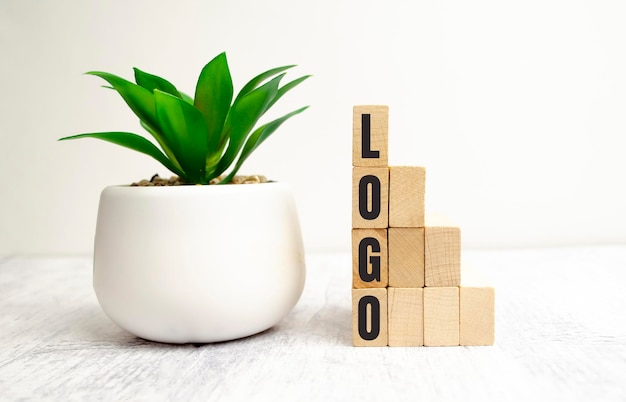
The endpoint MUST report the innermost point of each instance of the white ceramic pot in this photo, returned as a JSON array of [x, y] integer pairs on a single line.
[[198, 263]]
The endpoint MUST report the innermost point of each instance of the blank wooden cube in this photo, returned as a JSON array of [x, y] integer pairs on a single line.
[[370, 197], [370, 133], [477, 310], [406, 257], [406, 196], [441, 316], [406, 316], [369, 258], [369, 317], [442, 254]]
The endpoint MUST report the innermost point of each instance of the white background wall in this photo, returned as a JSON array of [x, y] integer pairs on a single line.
[[517, 109]]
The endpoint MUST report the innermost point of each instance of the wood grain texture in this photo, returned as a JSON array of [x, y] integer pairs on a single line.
[[369, 258], [552, 343], [378, 135], [442, 259], [370, 197], [369, 317], [441, 316], [477, 316], [407, 186], [406, 257], [477, 308], [406, 316]]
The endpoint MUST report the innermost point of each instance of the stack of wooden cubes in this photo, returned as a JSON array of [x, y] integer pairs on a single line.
[[406, 281]]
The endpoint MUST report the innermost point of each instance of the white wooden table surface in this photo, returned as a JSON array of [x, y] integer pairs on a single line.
[[560, 335]]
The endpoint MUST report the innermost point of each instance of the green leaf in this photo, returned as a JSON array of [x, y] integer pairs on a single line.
[[139, 99], [186, 126], [165, 147], [253, 83], [214, 92], [141, 102], [257, 137], [243, 115], [286, 88], [134, 142], [152, 82], [203, 136], [186, 97]]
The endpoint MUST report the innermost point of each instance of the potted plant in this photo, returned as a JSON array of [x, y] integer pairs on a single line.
[[207, 261]]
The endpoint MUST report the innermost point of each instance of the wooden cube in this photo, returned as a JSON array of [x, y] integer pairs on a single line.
[[406, 257], [477, 310], [369, 258], [406, 196], [442, 260], [369, 317], [405, 314], [370, 197], [370, 133], [441, 316]]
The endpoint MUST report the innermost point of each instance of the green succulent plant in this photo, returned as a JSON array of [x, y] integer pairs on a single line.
[[200, 138]]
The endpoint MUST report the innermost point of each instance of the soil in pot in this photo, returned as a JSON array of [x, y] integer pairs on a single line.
[[157, 181]]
